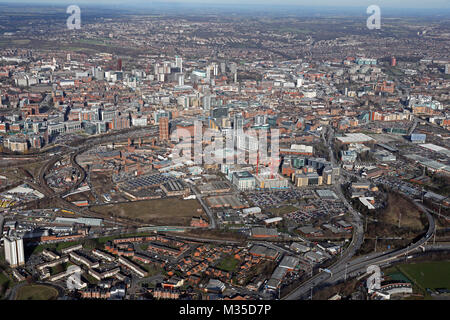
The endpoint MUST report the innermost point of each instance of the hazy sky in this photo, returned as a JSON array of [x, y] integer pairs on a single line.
[[335, 3]]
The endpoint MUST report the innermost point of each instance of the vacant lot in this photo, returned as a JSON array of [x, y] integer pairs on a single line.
[[402, 209], [400, 218], [37, 292], [163, 212]]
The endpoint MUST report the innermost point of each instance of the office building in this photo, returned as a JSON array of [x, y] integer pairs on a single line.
[[164, 128]]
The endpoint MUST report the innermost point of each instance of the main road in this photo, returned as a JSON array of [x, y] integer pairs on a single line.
[[344, 267], [41, 184], [344, 262]]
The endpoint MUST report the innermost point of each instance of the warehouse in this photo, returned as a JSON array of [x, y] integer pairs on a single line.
[[175, 188], [259, 232], [299, 248], [214, 187], [264, 252], [355, 138], [289, 263], [418, 138], [252, 210], [94, 222], [273, 220], [225, 201]]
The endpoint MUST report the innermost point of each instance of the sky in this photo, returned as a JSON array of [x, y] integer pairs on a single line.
[[334, 3]]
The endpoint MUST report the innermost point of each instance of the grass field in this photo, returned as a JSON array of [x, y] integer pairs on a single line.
[[3, 279], [151, 269], [282, 210], [55, 246], [170, 212], [428, 274], [228, 264], [5, 283], [37, 292]]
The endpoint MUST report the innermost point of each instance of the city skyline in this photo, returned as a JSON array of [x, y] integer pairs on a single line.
[[395, 4], [203, 151]]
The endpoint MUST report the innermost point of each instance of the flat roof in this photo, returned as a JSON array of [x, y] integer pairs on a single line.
[[355, 138]]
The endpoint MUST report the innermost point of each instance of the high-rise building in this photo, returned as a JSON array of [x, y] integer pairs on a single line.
[[14, 253], [393, 61], [164, 128], [238, 127], [206, 101], [238, 124], [208, 72], [447, 69], [180, 77], [233, 67], [179, 63]]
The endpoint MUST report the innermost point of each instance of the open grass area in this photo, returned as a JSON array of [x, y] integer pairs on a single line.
[[425, 275], [228, 264], [90, 279], [5, 283], [55, 246], [37, 292], [151, 269], [170, 212], [282, 210], [3, 279]]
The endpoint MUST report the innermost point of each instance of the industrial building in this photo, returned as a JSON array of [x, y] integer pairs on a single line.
[[259, 232], [94, 222], [418, 138]]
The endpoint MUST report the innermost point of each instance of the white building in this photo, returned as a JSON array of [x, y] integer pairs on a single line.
[[14, 253]]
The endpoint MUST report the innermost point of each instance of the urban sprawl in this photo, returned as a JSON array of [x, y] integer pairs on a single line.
[[329, 155]]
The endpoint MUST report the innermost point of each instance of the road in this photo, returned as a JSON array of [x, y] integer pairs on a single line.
[[344, 267], [41, 183], [211, 215]]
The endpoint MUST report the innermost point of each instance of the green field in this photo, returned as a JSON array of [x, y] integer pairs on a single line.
[[428, 274], [163, 212], [53, 246], [228, 264], [37, 292], [281, 211], [3, 279], [151, 269]]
